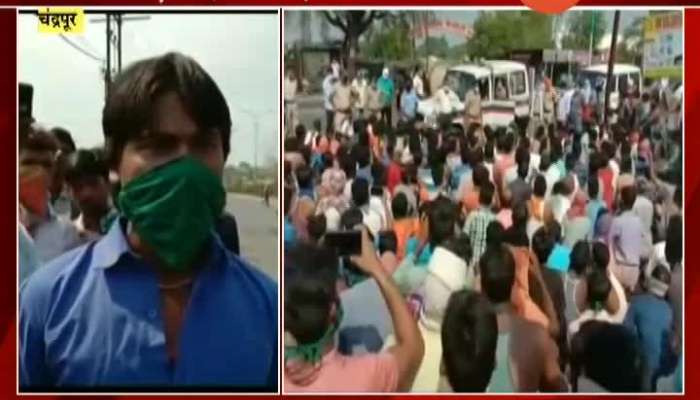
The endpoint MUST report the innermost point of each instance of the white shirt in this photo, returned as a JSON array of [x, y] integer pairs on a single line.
[[290, 89], [418, 85], [54, 236], [564, 106], [644, 209], [588, 315]]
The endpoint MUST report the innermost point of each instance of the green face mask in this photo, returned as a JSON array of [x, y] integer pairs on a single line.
[[173, 208], [313, 352]]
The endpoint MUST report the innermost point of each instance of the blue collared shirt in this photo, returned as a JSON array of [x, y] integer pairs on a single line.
[[92, 317]]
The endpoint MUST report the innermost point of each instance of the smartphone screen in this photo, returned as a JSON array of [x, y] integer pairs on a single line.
[[346, 243]]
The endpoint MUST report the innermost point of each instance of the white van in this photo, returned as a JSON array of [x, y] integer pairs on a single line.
[[487, 75], [623, 76]]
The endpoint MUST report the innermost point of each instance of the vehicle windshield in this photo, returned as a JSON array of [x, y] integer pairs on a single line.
[[459, 82], [596, 79]]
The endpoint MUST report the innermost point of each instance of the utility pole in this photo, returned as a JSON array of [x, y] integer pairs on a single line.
[[611, 63], [116, 41]]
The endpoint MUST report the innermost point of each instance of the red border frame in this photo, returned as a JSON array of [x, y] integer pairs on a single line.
[[8, 160]]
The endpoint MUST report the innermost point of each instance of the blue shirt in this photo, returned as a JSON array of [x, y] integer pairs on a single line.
[[92, 317], [409, 104], [650, 318]]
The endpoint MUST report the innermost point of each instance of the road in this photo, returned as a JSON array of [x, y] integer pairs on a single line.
[[257, 230]]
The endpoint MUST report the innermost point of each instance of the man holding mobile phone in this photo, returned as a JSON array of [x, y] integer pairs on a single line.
[[311, 323]]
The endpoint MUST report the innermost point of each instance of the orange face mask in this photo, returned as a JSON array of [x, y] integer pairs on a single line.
[[34, 190]]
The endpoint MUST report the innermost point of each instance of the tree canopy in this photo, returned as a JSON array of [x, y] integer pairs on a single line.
[[580, 26], [497, 33]]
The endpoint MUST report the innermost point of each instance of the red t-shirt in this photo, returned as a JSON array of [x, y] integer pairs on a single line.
[[606, 176], [393, 176]]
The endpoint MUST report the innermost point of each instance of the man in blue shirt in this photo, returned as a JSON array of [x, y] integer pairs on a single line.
[[650, 317], [409, 103], [158, 301]]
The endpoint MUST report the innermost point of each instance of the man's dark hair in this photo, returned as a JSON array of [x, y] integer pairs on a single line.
[[494, 234], [399, 206], [469, 340], [600, 255], [497, 268], [555, 151], [387, 242], [593, 188], [540, 186], [362, 155], [542, 244], [128, 110], [64, 138], [554, 229], [347, 164], [610, 355], [316, 226], [523, 170], [674, 240], [598, 288], [581, 257], [437, 171], [480, 175], [378, 174], [351, 218], [628, 195], [545, 162], [522, 155], [442, 217], [459, 245], [520, 214], [86, 163], [661, 274], [304, 176], [486, 192], [360, 192], [488, 151], [309, 291], [39, 140]]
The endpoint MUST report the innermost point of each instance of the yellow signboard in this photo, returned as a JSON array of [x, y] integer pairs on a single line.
[[61, 20], [663, 45]]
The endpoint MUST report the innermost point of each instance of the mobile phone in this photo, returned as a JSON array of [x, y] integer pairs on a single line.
[[345, 243]]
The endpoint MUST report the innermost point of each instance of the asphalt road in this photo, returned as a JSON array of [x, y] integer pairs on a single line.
[[257, 230]]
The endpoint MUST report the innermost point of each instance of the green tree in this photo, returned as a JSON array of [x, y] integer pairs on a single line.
[[353, 24], [498, 32], [632, 42], [581, 25], [433, 46], [388, 41]]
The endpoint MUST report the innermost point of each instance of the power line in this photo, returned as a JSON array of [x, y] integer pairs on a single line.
[[80, 49]]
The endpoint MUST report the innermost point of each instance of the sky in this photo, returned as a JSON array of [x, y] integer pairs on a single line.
[[239, 51], [292, 32]]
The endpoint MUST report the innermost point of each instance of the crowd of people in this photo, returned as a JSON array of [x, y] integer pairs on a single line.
[[129, 268], [493, 259]]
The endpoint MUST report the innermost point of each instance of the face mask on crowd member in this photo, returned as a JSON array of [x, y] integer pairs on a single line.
[[37, 158]]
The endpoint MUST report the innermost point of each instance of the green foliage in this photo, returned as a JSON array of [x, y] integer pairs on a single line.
[[388, 42], [434, 46], [497, 33], [581, 24]]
